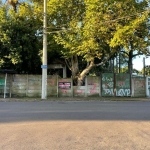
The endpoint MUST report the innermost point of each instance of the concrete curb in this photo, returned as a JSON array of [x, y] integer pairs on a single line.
[[26, 99]]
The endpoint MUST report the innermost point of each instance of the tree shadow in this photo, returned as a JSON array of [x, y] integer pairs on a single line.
[[90, 111]]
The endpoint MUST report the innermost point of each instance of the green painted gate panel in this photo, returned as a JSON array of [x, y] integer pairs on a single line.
[[107, 84], [123, 84], [2, 82]]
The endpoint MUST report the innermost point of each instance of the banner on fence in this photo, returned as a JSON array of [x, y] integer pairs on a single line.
[[65, 87]]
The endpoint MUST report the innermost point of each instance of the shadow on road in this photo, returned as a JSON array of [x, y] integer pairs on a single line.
[[93, 110]]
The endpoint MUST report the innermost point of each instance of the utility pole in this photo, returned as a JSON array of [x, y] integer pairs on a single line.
[[144, 67], [44, 66]]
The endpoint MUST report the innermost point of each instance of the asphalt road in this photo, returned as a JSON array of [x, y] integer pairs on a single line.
[[78, 125]]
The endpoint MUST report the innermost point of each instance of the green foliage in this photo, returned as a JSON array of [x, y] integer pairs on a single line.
[[112, 23], [81, 31], [96, 30], [147, 70], [19, 43]]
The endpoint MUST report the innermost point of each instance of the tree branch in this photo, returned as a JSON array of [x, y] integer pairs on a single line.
[[68, 64], [104, 61]]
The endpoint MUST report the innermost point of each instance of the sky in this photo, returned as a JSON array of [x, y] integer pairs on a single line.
[[138, 62]]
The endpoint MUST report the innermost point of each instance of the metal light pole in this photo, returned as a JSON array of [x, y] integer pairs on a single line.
[[44, 66]]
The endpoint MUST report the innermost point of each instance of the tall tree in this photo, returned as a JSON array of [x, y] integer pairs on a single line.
[[95, 29], [20, 41]]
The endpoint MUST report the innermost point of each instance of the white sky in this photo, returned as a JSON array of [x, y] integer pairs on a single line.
[[138, 62]]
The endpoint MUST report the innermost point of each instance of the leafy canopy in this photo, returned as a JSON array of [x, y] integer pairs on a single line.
[[94, 29]]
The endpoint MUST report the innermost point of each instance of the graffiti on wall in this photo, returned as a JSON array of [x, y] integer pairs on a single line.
[[52, 82], [93, 88], [123, 85], [123, 92], [64, 91], [139, 86], [107, 84], [79, 91], [93, 85]]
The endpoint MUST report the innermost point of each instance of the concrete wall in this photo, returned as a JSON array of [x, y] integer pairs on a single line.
[[93, 86], [52, 85], [30, 85], [33, 86], [79, 91], [138, 87], [108, 84], [26, 85], [19, 85]]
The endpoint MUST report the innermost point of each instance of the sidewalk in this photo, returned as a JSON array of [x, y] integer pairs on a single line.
[[27, 99]]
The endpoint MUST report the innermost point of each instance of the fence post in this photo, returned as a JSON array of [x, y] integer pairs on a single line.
[[27, 85], [72, 87], [5, 85], [86, 86], [57, 85]]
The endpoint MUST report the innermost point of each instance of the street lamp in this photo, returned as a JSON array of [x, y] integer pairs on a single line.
[[44, 65]]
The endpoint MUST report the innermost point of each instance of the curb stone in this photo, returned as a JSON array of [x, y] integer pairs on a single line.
[[26, 99]]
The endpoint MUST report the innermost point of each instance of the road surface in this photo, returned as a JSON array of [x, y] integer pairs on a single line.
[[76, 125]]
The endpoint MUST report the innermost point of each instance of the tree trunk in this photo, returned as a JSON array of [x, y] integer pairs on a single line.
[[74, 65], [82, 75], [74, 68], [13, 3], [130, 62]]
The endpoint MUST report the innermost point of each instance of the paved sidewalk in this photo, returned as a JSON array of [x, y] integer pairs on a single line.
[[76, 125]]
